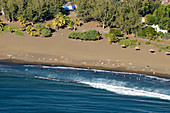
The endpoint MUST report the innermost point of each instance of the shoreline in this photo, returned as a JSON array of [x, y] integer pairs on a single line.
[[118, 69], [60, 50]]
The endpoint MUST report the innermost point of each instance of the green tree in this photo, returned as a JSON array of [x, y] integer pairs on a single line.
[[77, 21], [111, 38], [55, 22], [34, 10], [150, 19], [162, 15], [148, 32]]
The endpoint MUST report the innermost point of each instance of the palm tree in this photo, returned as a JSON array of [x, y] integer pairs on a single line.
[[98, 36], [77, 22], [70, 25], [55, 22], [38, 32], [33, 33], [48, 26], [29, 29], [21, 28], [60, 20], [59, 15], [22, 21], [75, 27], [1, 25], [10, 29], [1, 28], [67, 19]]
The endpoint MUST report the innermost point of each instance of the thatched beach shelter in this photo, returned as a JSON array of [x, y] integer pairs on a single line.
[[137, 48], [152, 51], [167, 53], [123, 46]]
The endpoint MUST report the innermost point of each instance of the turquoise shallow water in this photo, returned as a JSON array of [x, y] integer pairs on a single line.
[[44, 89]]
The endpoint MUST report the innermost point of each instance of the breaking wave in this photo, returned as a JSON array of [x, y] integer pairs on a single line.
[[113, 85]]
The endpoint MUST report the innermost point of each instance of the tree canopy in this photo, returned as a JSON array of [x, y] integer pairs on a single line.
[[162, 15], [122, 14], [32, 10]]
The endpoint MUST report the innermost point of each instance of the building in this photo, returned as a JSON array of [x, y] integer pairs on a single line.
[[165, 1]]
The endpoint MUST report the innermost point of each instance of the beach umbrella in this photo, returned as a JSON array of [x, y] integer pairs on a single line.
[[123, 46], [152, 51], [137, 48]]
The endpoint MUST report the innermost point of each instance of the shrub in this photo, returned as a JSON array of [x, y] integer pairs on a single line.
[[129, 42], [46, 32], [165, 36], [115, 32], [90, 35], [147, 42], [12, 28], [40, 26], [5, 28], [157, 40], [87, 35], [147, 32], [109, 43], [74, 35], [19, 33], [111, 37], [162, 47]]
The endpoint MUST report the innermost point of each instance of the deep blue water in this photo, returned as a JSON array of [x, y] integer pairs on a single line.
[[46, 89]]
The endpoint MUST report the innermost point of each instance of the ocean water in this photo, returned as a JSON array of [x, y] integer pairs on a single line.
[[47, 89]]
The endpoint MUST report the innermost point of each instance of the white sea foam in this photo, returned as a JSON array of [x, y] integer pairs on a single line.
[[40, 77], [31, 65], [83, 69], [127, 91], [158, 78], [60, 67], [118, 87]]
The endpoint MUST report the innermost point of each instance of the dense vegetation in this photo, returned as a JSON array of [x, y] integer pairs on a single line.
[[161, 47], [165, 36], [160, 16], [87, 35], [129, 42], [113, 35], [33, 10], [124, 15], [147, 32], [12, 29]]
